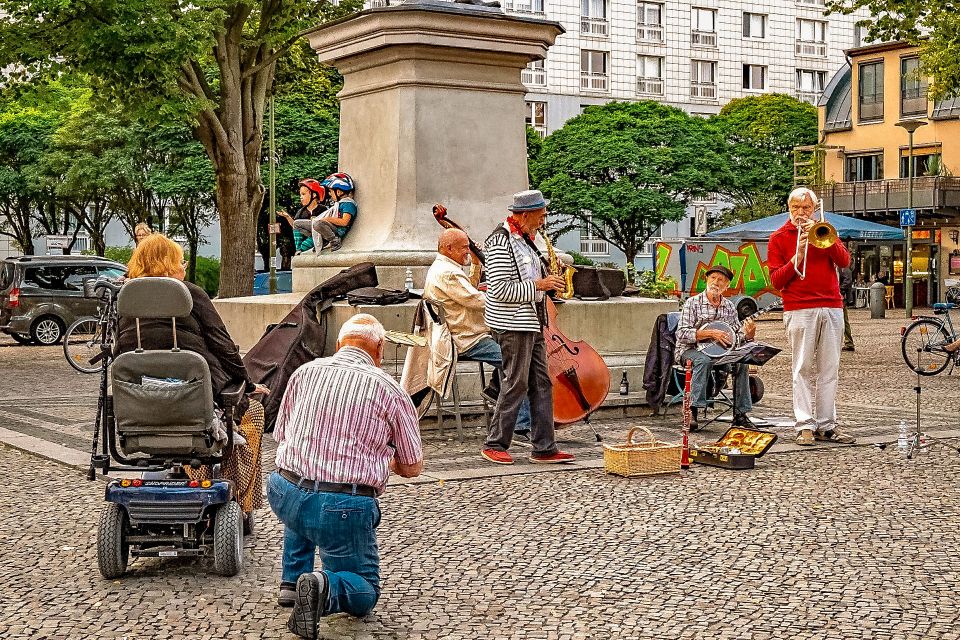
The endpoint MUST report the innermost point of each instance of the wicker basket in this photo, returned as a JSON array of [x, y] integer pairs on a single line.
[[635, 459]]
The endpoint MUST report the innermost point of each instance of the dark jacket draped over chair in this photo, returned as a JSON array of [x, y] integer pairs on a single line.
[[656, 369]]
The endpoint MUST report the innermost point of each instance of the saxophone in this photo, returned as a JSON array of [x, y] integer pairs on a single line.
[[557, 268]]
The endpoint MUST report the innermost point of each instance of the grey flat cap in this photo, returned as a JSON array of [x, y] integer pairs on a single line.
[[528, 201]]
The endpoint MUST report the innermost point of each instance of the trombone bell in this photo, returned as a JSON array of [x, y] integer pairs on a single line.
[[822, 235]]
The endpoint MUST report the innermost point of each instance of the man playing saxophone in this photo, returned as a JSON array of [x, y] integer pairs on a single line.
[[514, 310]]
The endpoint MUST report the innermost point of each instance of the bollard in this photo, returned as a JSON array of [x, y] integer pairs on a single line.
[[878, 300]]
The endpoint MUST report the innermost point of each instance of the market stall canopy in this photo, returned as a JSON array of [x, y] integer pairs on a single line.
[[847, 228]]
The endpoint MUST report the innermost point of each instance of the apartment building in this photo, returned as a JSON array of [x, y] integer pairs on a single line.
[[865, 159]]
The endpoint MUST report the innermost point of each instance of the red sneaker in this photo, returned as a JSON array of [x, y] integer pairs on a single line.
[[500, 457], [553, 458]]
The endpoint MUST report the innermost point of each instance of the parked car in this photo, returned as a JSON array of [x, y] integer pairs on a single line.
[[41, 295], [261, 283]]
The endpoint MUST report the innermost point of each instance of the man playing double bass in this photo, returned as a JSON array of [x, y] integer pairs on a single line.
[[515, 290], [705, 307]]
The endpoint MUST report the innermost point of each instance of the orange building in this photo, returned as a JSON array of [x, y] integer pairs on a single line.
[[860, 168]]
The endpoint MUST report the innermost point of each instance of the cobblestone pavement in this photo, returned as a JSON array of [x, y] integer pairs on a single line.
[[833, 542]]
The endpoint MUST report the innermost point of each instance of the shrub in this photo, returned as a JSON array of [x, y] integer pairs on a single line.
[[579, 258], [651, 287]]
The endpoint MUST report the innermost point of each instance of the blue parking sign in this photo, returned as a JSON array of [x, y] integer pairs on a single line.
[[908, 217]]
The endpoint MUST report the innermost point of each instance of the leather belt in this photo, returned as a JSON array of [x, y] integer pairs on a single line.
[[329, 487]]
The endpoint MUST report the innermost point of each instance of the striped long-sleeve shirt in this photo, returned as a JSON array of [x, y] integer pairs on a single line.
[[342, 419], [512, 296]]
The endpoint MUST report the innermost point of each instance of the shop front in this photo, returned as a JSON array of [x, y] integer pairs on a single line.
[[885, 260]]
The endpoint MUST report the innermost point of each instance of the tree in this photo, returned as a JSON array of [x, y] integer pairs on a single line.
[[760, 134], [626, 168], [933, 25], [211, 59]]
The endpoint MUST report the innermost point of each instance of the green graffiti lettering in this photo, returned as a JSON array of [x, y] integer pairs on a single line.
[[755, 275]]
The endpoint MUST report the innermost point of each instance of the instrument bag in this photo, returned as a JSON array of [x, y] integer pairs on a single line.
[[598, 283], [300, 337], [376, 295]]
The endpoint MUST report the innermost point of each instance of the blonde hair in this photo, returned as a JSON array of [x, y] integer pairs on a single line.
[[141, 227], [156, 255]]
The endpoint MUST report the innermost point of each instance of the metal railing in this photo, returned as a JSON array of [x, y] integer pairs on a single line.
[[598, 27], [707, 90], [815, 3], [811, 49], [649, 33], [594, 247], [594, 81], [808, 96], [650, 85], [703, 38], [534, 77], [889, 195], [528, 7]]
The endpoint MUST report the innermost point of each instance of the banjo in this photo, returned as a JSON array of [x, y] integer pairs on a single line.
[[714, 348]]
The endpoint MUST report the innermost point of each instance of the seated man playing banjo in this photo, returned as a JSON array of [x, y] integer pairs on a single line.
[[699, 310]]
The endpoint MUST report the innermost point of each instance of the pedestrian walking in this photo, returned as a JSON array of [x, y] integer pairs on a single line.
[[846, 289]]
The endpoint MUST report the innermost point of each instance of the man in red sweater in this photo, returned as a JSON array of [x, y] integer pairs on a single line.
[[813, 317]]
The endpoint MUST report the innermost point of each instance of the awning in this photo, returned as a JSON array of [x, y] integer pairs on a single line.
[[847, 228]]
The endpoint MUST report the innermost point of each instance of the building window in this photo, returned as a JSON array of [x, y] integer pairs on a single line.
[[703, 79], [754, 77], [913, 88], [815, 3], [859, 35], [754, 25], [871, 91], [535, 74], [591, 244], [811, 38], [649, 22], [650, 75], [593, 70], [524, 6], [924, 164], [593, 18], [865, 167], [704, 25], [537, 117], [810, 84]]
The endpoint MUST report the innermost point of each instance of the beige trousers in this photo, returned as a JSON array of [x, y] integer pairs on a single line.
[[815, 337]]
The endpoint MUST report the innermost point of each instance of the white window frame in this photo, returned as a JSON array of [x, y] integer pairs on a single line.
[[703, 31], [811, 45], [810, 84], [590, 243], [748, 77], [592, 79], [749, 20], [704, 89], [538, 121], [647, 30], [531, 7], [594, 18], [650, 75], [535, 75]]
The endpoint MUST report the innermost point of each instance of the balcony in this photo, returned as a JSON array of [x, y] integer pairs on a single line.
[[649, 33], [811, 97], [594, 27], [809, 49], [703, 90], [650, 86], [703, 39], [886, 197], [593, 81], [594, 247], [534, 77]]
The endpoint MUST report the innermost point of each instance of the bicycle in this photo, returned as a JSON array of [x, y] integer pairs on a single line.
[[923, 342], [88, 341]]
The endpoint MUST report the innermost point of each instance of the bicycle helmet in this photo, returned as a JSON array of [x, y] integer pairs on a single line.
[[318, 189], [340, 181]]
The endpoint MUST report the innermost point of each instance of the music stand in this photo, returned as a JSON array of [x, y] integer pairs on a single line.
[[915, 445]]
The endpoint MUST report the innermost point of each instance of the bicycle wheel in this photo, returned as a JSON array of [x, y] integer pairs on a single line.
[[922, 346], [81, 344]]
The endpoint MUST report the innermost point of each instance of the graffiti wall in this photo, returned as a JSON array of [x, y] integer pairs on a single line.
[[747, 261]]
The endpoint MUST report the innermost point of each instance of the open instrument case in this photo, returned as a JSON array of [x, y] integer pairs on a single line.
[[751, 443]]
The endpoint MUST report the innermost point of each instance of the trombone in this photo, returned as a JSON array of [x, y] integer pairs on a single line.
[[821, 235]]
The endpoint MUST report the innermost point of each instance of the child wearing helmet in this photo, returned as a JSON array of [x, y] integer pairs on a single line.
[[312, 196], [334, 224]]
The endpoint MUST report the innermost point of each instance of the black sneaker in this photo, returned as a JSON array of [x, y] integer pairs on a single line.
[[694, 423], [312, 591], [742, 420], [523, 437], [288, 594]]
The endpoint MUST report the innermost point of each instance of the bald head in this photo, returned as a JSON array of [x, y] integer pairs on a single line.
[[455, 245], [365, 332]]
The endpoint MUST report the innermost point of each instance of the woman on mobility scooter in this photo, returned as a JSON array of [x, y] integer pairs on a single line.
[[203, 333]]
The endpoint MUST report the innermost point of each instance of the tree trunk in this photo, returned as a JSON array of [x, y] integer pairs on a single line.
[[238, 240], [192, 263]]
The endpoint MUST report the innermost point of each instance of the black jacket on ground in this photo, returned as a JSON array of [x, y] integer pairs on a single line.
[[202, 332]]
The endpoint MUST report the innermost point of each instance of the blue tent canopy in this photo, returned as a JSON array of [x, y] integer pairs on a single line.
[[847, 228]]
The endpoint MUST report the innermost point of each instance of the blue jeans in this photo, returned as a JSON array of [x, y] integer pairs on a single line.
[[488, 351], [343, 527], [700, 380]]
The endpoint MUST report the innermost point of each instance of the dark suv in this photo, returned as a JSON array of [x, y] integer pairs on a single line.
[[41, 295]]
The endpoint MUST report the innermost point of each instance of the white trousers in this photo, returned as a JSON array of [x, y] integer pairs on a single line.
[[815, 336]]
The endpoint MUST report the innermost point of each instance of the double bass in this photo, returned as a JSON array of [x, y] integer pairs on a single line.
[[580, 377]]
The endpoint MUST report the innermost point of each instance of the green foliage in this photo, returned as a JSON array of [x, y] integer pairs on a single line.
[[118, 254], [760, 133], [208, 269], [933, 25], [651, 287], [626, 168], [579, 258]]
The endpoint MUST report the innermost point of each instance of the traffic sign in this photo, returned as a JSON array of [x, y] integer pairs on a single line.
[[908, 217]]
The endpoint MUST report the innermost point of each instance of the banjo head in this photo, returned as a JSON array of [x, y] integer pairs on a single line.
[[713, 348]]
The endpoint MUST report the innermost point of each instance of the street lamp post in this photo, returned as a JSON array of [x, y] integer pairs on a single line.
[[910, 126], [272, 204]]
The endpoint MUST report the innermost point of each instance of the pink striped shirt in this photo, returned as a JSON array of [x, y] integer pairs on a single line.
[[342, 419]]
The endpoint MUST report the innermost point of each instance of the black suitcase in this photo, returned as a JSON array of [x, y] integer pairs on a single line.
[[300, 337], [598, 283]]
